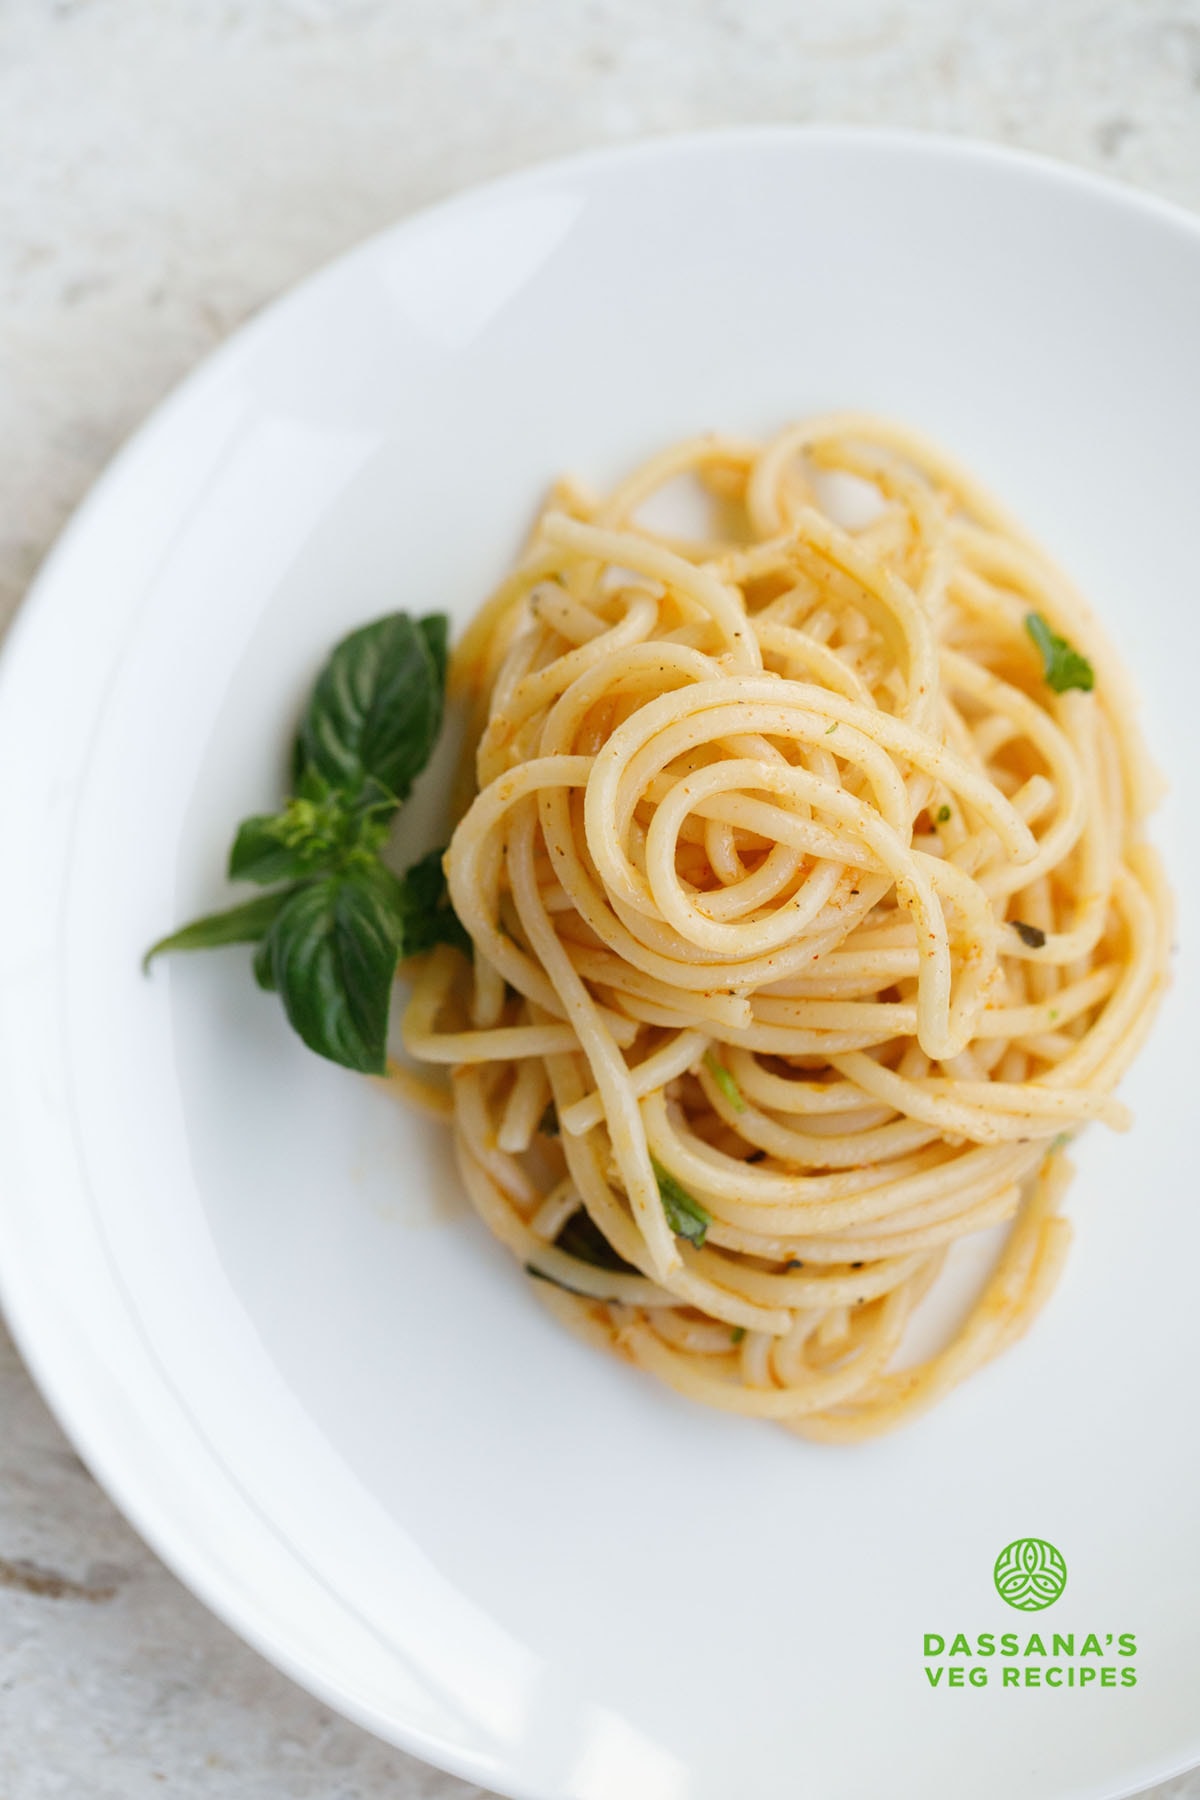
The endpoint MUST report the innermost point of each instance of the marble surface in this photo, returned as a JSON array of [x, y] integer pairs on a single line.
[[169, 166]]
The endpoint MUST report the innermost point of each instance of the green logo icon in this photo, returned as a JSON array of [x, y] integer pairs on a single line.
[[1030, 1574]]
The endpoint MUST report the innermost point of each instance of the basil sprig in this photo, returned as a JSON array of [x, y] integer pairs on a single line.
[[329, 938]]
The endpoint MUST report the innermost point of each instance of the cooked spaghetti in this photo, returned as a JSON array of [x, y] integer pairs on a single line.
[[809, 921]]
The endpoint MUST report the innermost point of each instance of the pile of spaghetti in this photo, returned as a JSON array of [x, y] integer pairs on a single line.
[[809, 920]]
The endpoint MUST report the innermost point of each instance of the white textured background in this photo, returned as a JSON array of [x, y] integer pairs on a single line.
[[166, 166]]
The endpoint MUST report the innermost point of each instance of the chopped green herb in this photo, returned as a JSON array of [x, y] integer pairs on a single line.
[[686, 1217], [1060, 1141], [582, 1238], [832, 729], [1032, 936], [548, 1123], [737, 1334], [942, 814], [724, 1080], [1053, 1015], [541, 1275], [1062, 664]]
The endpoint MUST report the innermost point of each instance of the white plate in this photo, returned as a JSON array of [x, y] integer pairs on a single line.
[[246, 1280]]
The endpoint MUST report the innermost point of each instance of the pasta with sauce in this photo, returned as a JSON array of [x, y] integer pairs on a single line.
[[810, 916]]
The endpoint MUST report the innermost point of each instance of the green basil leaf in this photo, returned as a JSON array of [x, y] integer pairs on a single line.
[[435, 629], [334, 948], [685, 1215], [585, 1241], [264, 965], [427, 917], [1062, 664], [245, 924], [376, 710], [259, 855]]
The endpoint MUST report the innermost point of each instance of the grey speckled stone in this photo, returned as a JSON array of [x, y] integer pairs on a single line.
[[167, 169]]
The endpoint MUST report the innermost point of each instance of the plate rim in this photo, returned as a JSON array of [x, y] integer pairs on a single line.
[[33, 1325]]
